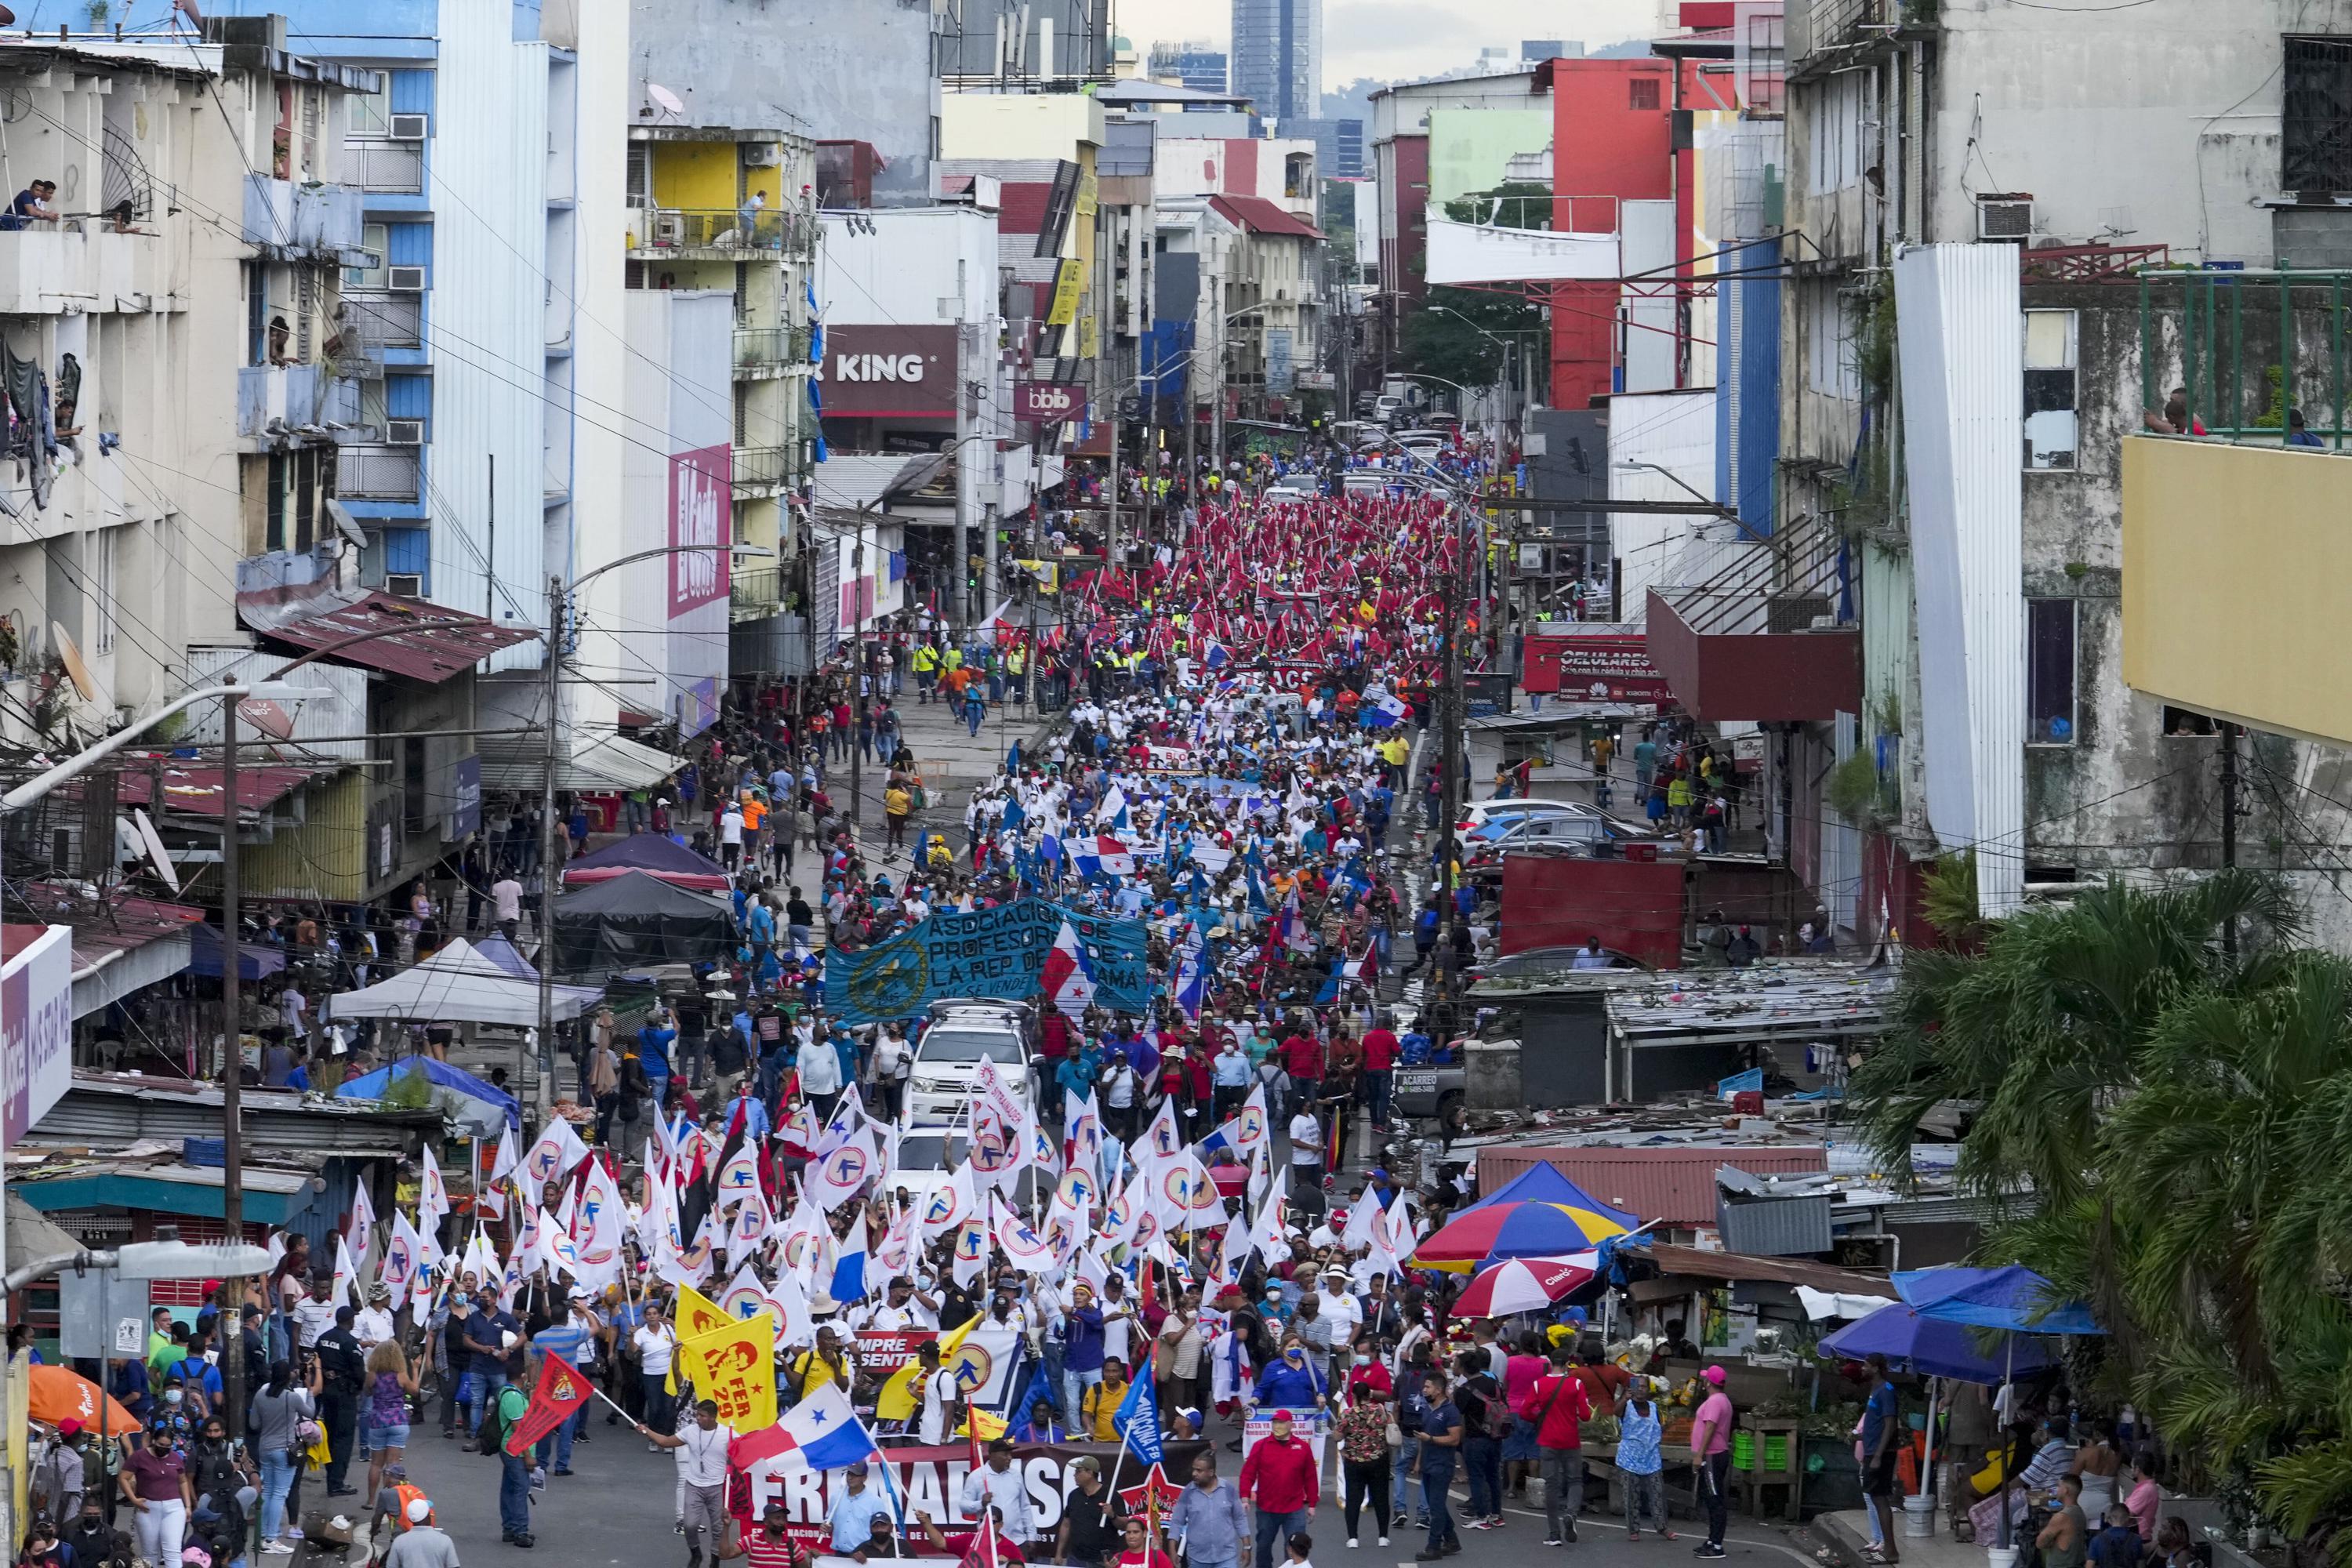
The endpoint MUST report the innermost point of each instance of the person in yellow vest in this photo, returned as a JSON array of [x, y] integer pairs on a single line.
[[926, 661], [1016, 672]]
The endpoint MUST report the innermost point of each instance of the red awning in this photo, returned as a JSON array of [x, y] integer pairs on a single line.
[[197, 792], [1263, 217], [443, 643]]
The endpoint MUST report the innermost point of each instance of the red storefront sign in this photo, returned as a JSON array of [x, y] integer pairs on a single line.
[[1048, 402], [1594, 661]]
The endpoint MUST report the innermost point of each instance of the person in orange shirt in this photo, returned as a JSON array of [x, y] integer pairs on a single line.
[[755, 812]]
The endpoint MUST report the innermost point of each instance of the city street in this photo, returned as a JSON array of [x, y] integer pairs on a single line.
[[617, 1508]]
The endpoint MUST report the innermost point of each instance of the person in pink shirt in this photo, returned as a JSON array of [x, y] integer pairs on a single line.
[[1521, 1460], [2146, 1497], [1711, 1452]]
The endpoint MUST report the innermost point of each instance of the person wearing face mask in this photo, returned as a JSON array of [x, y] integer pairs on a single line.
[[216, 1476], [172, 1420], [155, 1483], [1292, 1381]]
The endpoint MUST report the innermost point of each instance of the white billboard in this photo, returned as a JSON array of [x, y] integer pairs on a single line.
[[1462, 253], [35, 1031]]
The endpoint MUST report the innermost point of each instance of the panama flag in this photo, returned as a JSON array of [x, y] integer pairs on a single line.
[[1293, 930], [1216, 658], [1385, 714], [821, 1433], [1103, 856], [1068, 979]]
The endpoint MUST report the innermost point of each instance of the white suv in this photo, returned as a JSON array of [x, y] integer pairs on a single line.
[[956, 1035]]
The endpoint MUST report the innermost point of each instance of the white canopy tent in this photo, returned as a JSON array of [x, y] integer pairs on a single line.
[[460, 985]]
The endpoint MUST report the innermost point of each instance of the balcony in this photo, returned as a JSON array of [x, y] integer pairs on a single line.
[[762, 472], [385, 320], [755, 592], [79, 266], [691, 234], [380, 473], [2235, 570], [389, 168], [1762, 639], [304, 222], [276, 401], [762, 352]]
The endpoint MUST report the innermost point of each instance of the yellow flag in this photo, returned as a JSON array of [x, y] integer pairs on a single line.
[[991, 1425], [735, 1365], [697, 1314], [895, 1400]]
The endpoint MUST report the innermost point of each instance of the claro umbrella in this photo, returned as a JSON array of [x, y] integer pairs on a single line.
[[59, 1393], [1525, 1285]]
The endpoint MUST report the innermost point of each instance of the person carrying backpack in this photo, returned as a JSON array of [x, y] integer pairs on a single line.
[[514, 1469]]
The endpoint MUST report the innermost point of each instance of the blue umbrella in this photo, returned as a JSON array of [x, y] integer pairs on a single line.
[[2012, 1298], [1932, 1346]]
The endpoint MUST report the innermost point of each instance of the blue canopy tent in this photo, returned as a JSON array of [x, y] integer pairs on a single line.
[[2011, 1297], [507, 956], [479, 1105], [254, 960], [1544, 1184], [1932, 1347]]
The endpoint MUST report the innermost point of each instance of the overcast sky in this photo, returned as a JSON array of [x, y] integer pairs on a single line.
[[1400, 39]]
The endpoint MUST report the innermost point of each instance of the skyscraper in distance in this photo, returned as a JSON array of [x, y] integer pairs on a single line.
[[1277, 59]]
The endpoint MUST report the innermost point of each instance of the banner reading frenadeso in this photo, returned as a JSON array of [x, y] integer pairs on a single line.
[[931, 1481], [998, 953]]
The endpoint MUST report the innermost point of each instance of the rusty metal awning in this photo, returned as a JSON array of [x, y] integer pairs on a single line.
[[440, 642]]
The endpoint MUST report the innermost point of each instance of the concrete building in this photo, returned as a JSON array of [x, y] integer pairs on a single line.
[[127, 345], [850, 73], [1400, 153], [2011, 692], [1277, 59], [1281, 170]]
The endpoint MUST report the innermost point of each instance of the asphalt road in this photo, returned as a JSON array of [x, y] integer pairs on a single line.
[[617, 1509]]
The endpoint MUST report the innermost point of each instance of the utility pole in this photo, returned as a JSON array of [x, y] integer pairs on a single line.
[[2230, 824], [231, 1314], [857, 667], [549, 877], [1110, 493], [1449, 714]]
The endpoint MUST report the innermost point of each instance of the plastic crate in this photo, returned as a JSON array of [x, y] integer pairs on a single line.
[[1775, 1451], [1743, 1451]]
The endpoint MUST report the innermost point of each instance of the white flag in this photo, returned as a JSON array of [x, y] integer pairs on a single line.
[[404, 1256], [347, 1273], [558, 1149], [831, 1179], [431, 1196], [363, 1230]]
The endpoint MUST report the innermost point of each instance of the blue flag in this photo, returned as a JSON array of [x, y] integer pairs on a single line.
[[1137, 1420]]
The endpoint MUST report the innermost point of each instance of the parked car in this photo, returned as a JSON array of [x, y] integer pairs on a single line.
[[1388, 410], [1291, 488], [1479, 813], [1539, 962], [956, 1035], [1572, 831]]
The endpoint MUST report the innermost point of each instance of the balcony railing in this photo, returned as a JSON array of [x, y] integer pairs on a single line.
[[2254, 353], [294, 395], [394, 167], [691, 229], [765, 348], [290, 219], [756, 589], [385, 321], [762, 469], [378, 473]]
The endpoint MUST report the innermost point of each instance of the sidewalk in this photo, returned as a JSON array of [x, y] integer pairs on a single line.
[[1847, 1530]]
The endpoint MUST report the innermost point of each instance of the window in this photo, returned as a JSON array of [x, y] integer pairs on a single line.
[[2050, 672], [273, 535], [376, 239], [257, 313], [2315, 117], [371, 113], [2049, 389], [306, 498], [103, 590], [1642, 93]]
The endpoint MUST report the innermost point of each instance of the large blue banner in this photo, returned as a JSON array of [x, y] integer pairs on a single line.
[[998, 953]]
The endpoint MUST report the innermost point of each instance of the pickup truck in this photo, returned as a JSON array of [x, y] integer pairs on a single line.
[[1427, 1090]]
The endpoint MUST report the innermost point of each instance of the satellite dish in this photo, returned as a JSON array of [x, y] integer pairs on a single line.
[[155, 844], [76, 670], [664, 99], [267, 718]]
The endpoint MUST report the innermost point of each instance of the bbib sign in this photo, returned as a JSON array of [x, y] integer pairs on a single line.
[[1048, 402]]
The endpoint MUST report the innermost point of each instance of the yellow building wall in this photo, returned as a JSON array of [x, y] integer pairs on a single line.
[[702, 176], [325, 857], [2237, 582]]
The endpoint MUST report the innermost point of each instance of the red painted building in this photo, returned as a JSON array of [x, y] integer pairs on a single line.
[[1612, 142]]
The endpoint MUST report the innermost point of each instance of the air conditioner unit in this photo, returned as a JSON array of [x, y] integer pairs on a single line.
[[404, 585], [405, 279], [2005, 216], [762, 154], [410, 127], [403, 432], [669, 228]]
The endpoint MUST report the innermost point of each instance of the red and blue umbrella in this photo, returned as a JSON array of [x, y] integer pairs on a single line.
[[1519, 1230]]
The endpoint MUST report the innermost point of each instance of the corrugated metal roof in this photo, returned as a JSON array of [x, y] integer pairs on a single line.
[[197, 792], [114, 1111], [1669, 1184], [606, 763], [1263, 216], [441, 642], [1705, 1264]]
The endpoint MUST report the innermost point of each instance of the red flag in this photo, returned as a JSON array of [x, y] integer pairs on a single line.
[[561, 1391]]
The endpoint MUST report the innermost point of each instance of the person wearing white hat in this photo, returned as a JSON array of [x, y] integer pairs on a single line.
[[422, 1544]]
